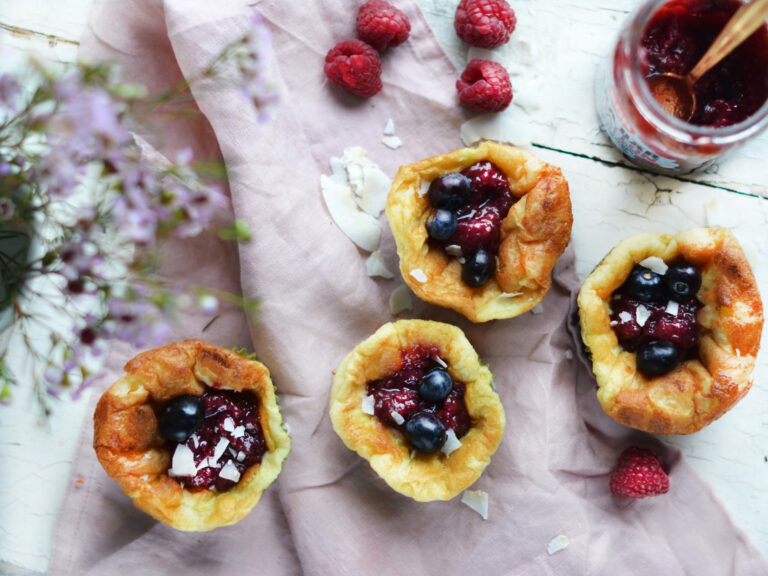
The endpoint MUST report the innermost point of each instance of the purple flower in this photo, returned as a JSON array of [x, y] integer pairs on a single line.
[[7, 209], [139, 319], [254, 64]]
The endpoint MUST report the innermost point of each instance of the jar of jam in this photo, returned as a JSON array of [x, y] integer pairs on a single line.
[[671, 36]]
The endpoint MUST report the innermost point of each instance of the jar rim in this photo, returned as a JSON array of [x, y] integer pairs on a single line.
[[666, 123]]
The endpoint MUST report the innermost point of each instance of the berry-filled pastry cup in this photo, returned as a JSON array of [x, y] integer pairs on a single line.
[[415, 401], [673, 325], [192, 433], [479, 230]]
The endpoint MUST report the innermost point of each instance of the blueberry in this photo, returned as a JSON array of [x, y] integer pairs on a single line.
[[181, 417], [644, 285], [426, 432], [441, 224], [435, 385], [450, 191], [478, 268], [657, 357], [683, 280]]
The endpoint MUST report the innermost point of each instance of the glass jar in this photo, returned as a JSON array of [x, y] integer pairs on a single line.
[[647, 135]]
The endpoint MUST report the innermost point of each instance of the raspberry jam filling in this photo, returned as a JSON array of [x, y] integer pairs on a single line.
[[421, 399], [654, 315], [468, 209], [226, 443], [680, 33]]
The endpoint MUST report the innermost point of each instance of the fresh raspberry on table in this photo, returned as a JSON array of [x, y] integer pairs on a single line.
[[382, 25], [354, 66], [639, 474], [484, 85], [484, 23]]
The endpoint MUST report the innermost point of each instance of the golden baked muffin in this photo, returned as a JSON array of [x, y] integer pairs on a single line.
[[192, 433], [479, 230], [415, 401], [673, 325]]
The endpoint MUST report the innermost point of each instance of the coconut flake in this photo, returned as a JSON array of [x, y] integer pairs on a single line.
[[440, 361], [183, 462], [376, 266], [672, 308], [454, 250], [655, 264], [393, 142], [230, 472], [389, 129], [373, 195], [557, 544], [625, 316], [400, 300], [424, 188], [238, 432], [452, 443], [398, 419], [219, 450], [538, 309], [613, 323], [363, 229], [642, 314], [287, 428], [418, 275], [240, 456], [228, 425], [368, 402], [195, 440], [477, 500]]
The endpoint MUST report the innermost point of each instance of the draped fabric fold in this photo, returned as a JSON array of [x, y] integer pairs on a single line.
[[328, 513]]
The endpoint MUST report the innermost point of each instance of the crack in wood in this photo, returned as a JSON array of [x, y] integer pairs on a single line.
[[646, 173]]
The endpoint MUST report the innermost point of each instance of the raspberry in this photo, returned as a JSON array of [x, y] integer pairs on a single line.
[[453, 413], [484, 85], [354, 66], [382, 25], [638, 474], [404, 401], [484, 23]]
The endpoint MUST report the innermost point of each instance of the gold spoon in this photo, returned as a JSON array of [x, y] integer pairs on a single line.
[[675, 93]]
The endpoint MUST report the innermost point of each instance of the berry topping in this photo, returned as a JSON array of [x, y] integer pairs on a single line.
[[638, 474], [441, 224], [657, 357], [404, 402], [420, 386], [487, 181], [477, 231], [227, 442], [680, 328], [435, 385], [484, 23], [453, 413], [426, 432], [382, 25], [354, 66], [450, 191], [181, 417], [484, 85], [644, 285], [683, 280], [478, 268]]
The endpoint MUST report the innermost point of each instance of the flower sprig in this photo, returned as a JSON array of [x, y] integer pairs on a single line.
[[85, 207]]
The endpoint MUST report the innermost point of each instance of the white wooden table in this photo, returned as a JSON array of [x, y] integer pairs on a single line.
[[552, 59]]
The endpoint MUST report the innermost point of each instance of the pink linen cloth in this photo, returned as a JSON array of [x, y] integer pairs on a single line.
[[328, 513]]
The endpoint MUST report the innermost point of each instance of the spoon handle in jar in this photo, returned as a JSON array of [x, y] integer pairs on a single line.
[[742, 24]]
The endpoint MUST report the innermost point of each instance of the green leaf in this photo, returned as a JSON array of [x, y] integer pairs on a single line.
[[238, 231]]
